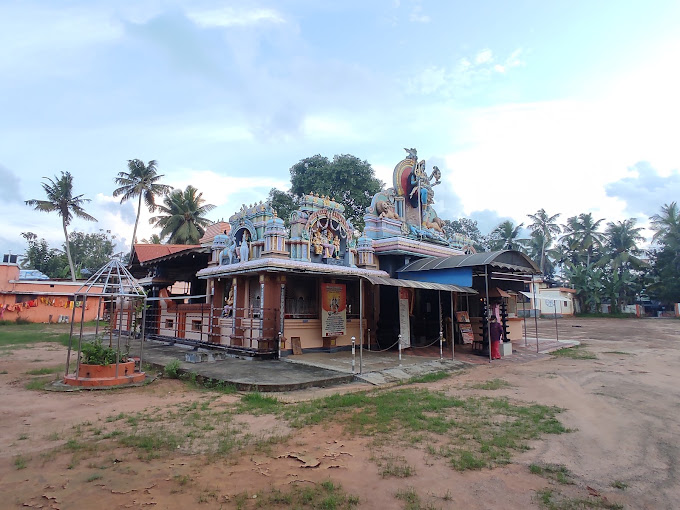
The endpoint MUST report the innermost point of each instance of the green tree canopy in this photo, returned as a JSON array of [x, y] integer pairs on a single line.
[[60, 199], [284, 203], [346, 179], [543, 229], [183, 217], [506, 237], [41, 257], [468, 228], [140, 181]]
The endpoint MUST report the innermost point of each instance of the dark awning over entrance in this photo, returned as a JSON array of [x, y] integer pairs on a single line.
[[414, 284]]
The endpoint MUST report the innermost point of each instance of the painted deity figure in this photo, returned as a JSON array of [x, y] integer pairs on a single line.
[[229, 304], [317, 242], [244, 250], [328, 244], [229, 252]]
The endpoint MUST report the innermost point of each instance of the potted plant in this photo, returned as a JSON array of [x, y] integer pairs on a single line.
[[98, 360]]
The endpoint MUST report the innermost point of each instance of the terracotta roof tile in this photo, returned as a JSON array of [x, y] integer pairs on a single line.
[[146, 252], [214, 229]]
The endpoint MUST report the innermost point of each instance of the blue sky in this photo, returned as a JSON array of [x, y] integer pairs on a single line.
[[570, 106]]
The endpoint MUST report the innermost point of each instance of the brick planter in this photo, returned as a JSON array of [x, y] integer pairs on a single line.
[[105, 375]]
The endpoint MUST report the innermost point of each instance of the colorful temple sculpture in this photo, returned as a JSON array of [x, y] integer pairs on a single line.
[[272, 287]]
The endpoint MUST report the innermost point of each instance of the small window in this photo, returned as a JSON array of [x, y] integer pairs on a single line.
[[169, 324], [566, 303], [196, 325]]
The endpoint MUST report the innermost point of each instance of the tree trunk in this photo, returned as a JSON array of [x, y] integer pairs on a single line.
[[134, 232], [543, 257], [68, 252]]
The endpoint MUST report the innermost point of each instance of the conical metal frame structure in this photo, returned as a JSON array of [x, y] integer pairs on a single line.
[[114, 283]]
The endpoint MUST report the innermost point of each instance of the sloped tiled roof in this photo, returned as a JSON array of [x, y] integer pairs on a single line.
[[146, 252], [216, 228]]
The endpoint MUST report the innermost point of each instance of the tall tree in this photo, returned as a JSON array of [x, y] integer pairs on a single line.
[[582, 235], [284, 203], [468, 228], [40, 256], [506, 237], [666, 225], [140, 181], [183, 217], [346, 179], [544, 225], [60, 199], [665, 285], [622, 249]]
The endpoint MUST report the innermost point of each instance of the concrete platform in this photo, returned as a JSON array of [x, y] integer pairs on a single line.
[[294, 372]]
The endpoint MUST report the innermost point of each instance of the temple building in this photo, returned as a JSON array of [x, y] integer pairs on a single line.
[[320, 282]]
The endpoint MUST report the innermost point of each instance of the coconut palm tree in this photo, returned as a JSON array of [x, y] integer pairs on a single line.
[[183, 216], [622, 239], [140, 181], [546, 226], [666, 225], [505, 236], [582, 235], [60, 199]]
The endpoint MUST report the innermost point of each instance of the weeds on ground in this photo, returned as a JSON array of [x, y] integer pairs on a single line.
[[20, 462], [171, 370], [620, 352], [477, 432], [46, 370], [326, 495], [427, 378], [256, 403], [391, 465], [576, 352], [37, 383], [555, 472], [411, 500], [554, 500], [493, 384], [618, 484]]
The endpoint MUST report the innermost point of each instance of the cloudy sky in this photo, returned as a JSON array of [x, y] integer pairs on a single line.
[[572, 106]]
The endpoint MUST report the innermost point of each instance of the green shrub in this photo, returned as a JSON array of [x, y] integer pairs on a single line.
[[96, 353], [172, 369]]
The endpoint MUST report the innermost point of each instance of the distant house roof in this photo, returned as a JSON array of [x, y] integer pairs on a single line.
[[219, 227], [32, 274]]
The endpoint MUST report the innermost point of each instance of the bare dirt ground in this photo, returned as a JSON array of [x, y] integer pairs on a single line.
[[621, 407]]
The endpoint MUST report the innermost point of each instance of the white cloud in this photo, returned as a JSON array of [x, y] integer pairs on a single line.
[[417, 15], [465, 74], [484, 56], [230, 16]]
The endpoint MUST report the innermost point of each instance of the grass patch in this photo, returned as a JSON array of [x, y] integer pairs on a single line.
[[93, 477], [257, 403], [477, 432], [618, 484], [46, 370], [576, 352], [20, 462], [326, 496], [432, 377], [21, 334], [412, 500], [554, 500], [620, 352], [395, 466], [151, 443], [555, 472], [37, 383], [493, 384]]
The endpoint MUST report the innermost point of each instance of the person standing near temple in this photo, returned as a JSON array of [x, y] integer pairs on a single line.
[[496, 331]]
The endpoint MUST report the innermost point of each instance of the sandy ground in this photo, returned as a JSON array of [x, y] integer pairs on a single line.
[[622, 408]]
